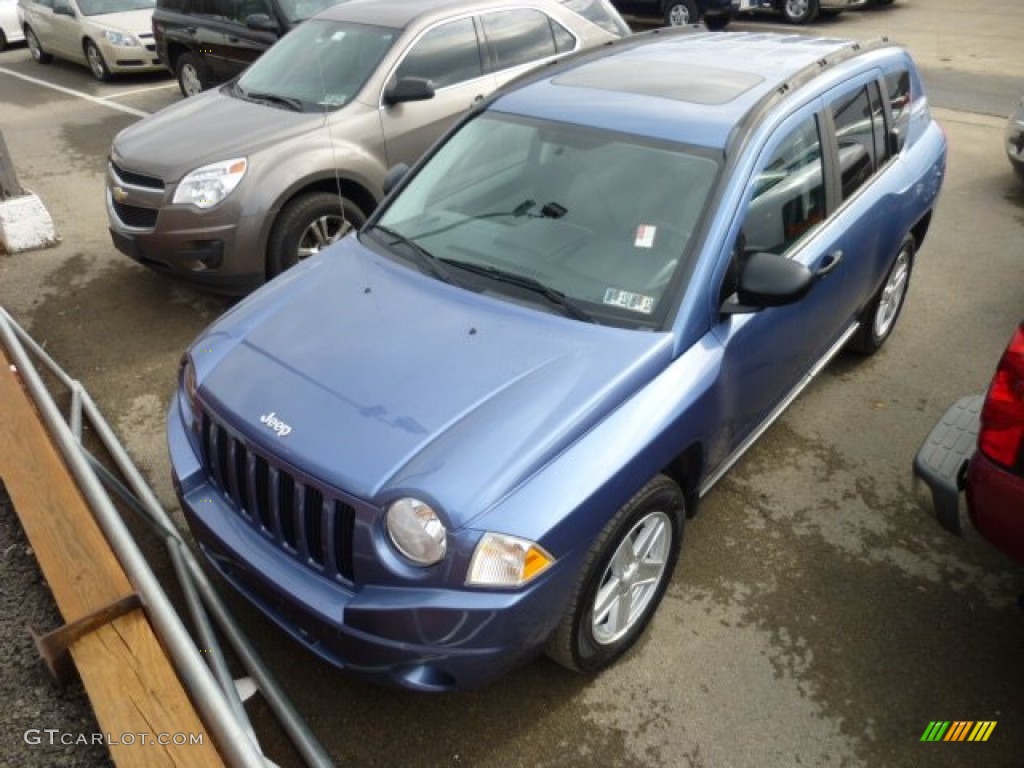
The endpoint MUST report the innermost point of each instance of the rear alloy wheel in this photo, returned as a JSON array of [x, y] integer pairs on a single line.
[[680, 13], [307, 225], [192, 78], [799, 11], [97, 64], [881, 314], [625, 575], [35, 48]]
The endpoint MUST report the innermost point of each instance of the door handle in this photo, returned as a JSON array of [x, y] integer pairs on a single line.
[[828, 263]]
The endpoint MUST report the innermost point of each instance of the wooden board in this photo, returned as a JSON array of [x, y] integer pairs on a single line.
[[128, 676]]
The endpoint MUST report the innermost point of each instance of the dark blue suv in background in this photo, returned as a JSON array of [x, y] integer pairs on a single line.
[[680, 13], [473, 431]]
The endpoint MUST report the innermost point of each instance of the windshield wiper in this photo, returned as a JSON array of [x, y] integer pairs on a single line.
[[559, 299], [425, 257], [295, 105]]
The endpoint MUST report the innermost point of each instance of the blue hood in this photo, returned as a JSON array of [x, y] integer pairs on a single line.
[[390, 382]]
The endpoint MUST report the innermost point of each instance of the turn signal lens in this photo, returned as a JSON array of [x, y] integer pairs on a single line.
[[506, 561]]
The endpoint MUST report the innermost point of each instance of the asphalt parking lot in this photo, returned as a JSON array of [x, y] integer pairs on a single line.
[[819, 616]]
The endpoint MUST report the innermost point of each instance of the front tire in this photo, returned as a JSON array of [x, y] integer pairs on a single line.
[[680, 13], [97, 64], [799, 11], [192, 76], [883, 311], [623, 579], [35, 48], [307, 225]]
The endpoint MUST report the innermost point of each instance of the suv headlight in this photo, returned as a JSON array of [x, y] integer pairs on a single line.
[[506, 561], [122, 39], [416, 531], [208, 186]]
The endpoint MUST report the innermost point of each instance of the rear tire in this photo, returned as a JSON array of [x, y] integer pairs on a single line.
[[307, 225], [192, 76], [97, 64], [3, 40], [799, 11], [623, 579], [715, 23], [881, 314], [35, 48], [680, 13]]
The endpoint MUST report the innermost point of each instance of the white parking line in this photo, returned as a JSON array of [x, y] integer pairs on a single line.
[[72, 92], [119, 94]]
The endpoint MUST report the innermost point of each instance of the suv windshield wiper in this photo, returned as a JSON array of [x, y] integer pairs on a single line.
[[559, 299], [272, 98], [425, 257]]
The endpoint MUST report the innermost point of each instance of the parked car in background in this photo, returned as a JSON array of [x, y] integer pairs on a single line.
[[109, 36], [797, 11], [716, 14], [206, 42], [235, 185], [10, 26], [1015, 139], [978, 447], [474, 431]]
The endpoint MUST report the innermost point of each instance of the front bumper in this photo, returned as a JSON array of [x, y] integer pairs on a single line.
[[217, 248], [418, 637], [122, 59]]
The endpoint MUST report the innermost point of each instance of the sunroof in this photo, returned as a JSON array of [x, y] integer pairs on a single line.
[[665, 79]]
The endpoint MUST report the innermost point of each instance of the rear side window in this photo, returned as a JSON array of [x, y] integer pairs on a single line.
[[898, 85], [860, 134], [446, 55], [215, 9], [522, 36], [789, 193], [172, 5]]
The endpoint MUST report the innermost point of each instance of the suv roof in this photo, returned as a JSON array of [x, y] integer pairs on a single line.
[[697, 87]]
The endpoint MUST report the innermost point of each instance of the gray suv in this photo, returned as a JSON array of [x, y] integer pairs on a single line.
[[235, 185]]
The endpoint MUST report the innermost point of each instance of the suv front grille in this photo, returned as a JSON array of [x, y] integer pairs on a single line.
[[134, 216], [306, 521], [137, 179]]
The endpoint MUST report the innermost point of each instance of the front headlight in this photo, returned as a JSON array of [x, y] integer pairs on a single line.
[[121, 39], [506, 561], [207, 186], [416, 531], [188, 383]]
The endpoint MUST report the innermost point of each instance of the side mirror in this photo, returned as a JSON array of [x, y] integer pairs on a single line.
[[261, 22], [394, 175], [769, 280], [409, 89]]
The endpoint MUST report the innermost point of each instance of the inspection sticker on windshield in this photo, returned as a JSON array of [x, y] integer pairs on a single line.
[[635, 302], [645, 236]]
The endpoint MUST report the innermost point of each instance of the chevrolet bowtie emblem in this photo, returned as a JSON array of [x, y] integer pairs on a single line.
[[119, 194]]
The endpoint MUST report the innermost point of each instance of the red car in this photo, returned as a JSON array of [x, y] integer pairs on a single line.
[[978, 447]]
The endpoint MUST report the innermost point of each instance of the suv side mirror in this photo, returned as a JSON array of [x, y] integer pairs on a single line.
[[394, 175], [409, 89], [261, 22], [769, 280]]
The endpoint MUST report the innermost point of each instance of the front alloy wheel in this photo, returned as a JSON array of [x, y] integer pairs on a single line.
[[799, 11], [99, 67], [626, 573], [307, 225]]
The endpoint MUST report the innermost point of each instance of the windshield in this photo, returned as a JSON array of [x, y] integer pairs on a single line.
[[100, 7], [300, 10], [605, 219], [320, 64]]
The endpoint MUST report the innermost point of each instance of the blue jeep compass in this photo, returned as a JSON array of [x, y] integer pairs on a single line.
[[473, 431]]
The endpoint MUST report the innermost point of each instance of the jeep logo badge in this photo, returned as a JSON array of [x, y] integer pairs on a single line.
[[274, 423]]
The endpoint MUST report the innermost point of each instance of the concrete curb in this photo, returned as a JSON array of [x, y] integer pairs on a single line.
[[25, 225]]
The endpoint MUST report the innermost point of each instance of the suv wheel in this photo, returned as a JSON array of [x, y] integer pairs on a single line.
[[192, 77], [35, 48], [307, 225], [881, 314], [799, 11], [680, 13], [97, 64]]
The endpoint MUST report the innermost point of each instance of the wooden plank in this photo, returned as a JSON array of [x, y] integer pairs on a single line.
[[129, 679]]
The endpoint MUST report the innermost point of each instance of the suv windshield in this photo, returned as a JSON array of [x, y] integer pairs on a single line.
[[100, 7], [604, 219], [319, 65]]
